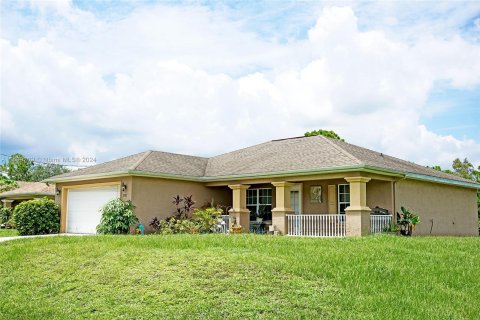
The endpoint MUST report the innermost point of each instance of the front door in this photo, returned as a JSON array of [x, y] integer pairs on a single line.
[[295, 201], [295, 205]]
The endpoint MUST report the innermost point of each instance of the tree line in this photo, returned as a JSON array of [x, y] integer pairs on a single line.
[[20, 168]]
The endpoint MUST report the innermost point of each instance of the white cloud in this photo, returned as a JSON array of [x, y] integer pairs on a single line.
[[189, 80]]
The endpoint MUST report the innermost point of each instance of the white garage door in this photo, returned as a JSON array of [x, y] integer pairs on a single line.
[[83, 207]]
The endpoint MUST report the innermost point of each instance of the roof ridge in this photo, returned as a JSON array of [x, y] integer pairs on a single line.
[[179, 154], [241, 149], [139, 161], [336, 146]]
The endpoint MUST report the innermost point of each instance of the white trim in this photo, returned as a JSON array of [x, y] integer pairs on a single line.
[[69, 188], [338, 196]]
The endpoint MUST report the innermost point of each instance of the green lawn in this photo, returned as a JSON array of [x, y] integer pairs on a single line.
[[8, 232], [238, 277]]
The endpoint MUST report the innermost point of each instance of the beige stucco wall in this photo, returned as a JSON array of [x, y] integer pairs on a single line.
[[317, 208], [380, 193], [153, 197], [452, 210]]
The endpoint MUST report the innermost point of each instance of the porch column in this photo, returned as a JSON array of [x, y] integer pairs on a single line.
[[358, 214], [282, 206], [7, 203], [239, 206]]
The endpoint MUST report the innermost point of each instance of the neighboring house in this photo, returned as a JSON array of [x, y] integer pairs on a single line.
[[27, 191], [296, 183]]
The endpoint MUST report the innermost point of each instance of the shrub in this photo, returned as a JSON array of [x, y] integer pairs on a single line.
[[202, 221], [41, 216], [10, 224], [206, 219], [183, 206], [155, 224], [5, 214], [173, 226], [117, 217]]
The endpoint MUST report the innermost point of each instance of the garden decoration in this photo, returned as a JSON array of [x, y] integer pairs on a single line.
[[140, 230], [234, 227]]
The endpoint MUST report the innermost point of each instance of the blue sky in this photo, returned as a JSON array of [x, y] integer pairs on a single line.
[[106, 79], [457, 112]]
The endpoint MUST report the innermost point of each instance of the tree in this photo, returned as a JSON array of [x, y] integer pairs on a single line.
[[41, 172], [7, 184], [438, 168], [19, 168], [464, 169], [327, 133]]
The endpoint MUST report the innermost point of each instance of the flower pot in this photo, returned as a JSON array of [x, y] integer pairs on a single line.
[[236, 229]]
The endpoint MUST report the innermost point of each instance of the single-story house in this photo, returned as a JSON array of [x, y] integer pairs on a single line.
[[300, 186], [27, 191]]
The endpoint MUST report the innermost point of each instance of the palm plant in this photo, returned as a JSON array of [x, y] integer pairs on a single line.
[[407, 221]]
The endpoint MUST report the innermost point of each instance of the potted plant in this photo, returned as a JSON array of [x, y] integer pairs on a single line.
[[234, 227], [407, 222]]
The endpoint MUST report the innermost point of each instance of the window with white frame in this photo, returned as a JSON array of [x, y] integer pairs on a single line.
[[259, 202], [343, 197]]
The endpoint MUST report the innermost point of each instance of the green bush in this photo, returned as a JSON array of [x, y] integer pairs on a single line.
[[202, 221], [41, 216], [173, 225], [10, 224], [117, 217], [206, 219], [5, 214]]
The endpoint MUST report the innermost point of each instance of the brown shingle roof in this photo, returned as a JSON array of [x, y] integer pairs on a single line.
[[281, 155], [30, 188], [277, 156], [380, 160], [175, 164], [118, 165], [148, 161]]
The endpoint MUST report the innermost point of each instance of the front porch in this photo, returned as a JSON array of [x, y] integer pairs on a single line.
[[314, 208], [312, 225]]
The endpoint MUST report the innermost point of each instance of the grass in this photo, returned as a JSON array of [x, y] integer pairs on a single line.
[[238, 277], [8, 232]]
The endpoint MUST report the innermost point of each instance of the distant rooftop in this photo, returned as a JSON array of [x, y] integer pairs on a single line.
[[30, 188]]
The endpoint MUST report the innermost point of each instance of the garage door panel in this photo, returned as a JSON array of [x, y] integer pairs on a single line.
[[84, 205]]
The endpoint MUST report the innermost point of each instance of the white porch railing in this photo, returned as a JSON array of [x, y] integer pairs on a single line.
[[316, 225], [379, 222], [224, 224]]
